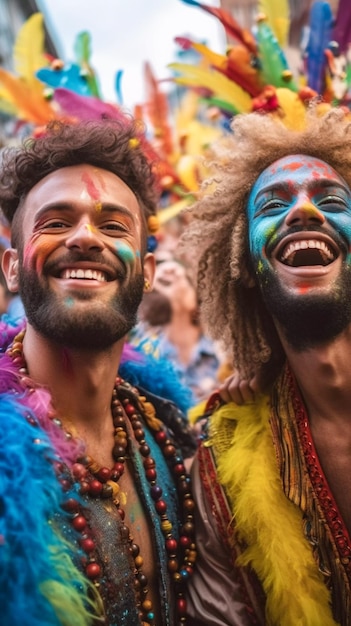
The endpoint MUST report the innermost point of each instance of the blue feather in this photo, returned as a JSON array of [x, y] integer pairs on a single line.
[[118, 86], [32, 556], [70, 77], [320, 24], [158, 376]]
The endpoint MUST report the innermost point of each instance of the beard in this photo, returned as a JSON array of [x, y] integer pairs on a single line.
[[310, 320], [96, 328]]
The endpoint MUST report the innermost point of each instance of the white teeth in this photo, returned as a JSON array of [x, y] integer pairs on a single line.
[[85, 274], [294, 246]]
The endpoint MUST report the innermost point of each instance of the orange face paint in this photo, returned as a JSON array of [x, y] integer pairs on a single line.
[[34, 253]]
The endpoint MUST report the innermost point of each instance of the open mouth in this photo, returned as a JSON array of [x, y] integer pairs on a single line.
[[307, 252]]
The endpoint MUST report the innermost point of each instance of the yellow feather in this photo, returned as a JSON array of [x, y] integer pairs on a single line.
[[7, 107], [220, 85], [186, 111], [278, 17], [28, 52], [173, 210], [213, 58], [293, 111], [270, 525], [196, 412]]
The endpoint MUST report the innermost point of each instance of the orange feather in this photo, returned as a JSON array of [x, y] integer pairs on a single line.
[[156, 108], [30, 103]]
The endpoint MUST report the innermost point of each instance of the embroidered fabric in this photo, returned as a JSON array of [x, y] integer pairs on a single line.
[[305, 484]]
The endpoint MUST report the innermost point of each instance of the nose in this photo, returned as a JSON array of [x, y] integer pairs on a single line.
[[84, 236], [304, 213]]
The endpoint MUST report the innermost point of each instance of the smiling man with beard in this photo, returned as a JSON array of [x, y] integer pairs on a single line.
[[112, 543], [271, 241]]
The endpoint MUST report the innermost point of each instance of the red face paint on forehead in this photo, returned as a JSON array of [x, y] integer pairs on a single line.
[[292, 167], [91, 188], [318, 167]]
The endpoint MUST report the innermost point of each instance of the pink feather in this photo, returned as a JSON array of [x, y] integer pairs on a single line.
[[85, 107]]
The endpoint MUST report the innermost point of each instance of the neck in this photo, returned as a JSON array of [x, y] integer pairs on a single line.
[[80, 382], [323, 374]]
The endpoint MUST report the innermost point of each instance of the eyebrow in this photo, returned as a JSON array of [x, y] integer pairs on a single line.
[[106, 207], [286, 186]]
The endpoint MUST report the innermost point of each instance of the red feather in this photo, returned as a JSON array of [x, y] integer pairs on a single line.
[[231, 26], [157, 111]]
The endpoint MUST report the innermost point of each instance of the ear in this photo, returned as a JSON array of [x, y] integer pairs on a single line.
[[10, 268], [149, 264]]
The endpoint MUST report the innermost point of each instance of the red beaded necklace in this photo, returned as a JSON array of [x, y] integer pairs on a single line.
[[101, 482]]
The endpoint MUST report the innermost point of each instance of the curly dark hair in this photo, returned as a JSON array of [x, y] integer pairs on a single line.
[[113, 145], [216, 240]]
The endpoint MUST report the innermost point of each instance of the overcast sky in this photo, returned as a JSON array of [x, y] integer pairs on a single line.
[[126, 33]]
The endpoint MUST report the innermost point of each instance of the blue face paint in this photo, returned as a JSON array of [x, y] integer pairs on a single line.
[[69, 302], [125, 252], [296, 181]]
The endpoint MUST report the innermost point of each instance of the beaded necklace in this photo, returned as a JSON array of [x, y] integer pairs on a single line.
[[96, 481]]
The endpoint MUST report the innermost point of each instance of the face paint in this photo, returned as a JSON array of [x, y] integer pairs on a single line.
[[35, 252], [296, 181], [90, 186], [125, 252], [296, 199]]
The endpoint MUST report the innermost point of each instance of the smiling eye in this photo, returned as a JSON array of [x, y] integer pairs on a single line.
[[114, 227], [271, 207], [336, 202], [54, 224]]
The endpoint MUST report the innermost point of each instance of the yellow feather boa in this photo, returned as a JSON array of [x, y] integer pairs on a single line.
[[267, 521]]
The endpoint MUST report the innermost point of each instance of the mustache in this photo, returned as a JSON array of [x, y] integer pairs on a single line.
[[339, 241]]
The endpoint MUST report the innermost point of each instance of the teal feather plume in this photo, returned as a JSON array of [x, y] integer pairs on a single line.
[[82, 49], [274, 67]]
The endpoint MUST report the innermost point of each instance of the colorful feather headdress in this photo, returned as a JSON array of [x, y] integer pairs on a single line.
[[254, 74], [43, 88]]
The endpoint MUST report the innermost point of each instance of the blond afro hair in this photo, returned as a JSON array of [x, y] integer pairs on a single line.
[[216, 239]]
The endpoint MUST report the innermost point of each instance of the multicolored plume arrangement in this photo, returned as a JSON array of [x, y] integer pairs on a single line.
[[255, 75]]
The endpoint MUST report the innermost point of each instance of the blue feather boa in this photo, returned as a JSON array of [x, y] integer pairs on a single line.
[[39, 585]]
